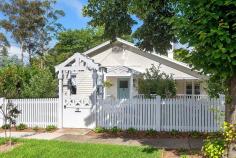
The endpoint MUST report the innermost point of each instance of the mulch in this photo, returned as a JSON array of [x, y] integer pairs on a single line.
[[145, 135]]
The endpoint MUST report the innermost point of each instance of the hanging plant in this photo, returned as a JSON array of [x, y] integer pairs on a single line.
[[107, 84]]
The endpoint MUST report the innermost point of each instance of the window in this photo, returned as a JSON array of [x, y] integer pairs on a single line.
[[189, 88], [72, 84], [197, 88], [123, 84]]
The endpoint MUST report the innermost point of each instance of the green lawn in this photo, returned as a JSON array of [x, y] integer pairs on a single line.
[[59, 149]]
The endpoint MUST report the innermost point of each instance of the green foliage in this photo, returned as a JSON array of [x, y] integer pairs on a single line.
[[214, 148], [229, 132], [112, 14], [181, 55], [36, 128], [154, 33], [151, 132], [6, 126], [32, 34], [107, 83], [174, 132], [210, 28], [156, 82], [73, 41], [195, 134], [115, 129], [131, 130], [51, 128], [18, 81], [99, 130], [21, 126], [40, 85]]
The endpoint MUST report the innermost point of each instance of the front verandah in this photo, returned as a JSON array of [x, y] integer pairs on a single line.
[[126, 86]]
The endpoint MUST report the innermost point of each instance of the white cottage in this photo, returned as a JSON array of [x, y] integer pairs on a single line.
[[82, 76], [124, 62]]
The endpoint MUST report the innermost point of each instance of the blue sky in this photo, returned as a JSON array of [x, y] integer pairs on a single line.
[[73, 19]]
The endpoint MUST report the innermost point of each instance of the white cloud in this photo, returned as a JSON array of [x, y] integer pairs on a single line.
[[74, 4]]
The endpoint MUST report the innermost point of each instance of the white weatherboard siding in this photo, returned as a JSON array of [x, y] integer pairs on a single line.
[[135, 61], [84, 83]]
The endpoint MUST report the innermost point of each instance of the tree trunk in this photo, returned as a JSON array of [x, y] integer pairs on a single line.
[[22, 53], [230, 108], [230, 112]]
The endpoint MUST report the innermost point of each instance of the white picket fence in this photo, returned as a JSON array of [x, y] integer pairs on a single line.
[[202, 114], [182, 114], [36, 112]]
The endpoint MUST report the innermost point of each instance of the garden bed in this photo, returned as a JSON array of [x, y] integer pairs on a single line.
[[149, 134]]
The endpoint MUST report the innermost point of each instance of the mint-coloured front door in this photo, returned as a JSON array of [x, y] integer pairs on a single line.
[[123, 89]]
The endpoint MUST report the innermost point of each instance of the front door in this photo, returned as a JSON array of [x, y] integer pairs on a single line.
[[123, 89]]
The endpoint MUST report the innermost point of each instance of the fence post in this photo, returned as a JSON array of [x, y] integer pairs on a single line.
[[158, 114]]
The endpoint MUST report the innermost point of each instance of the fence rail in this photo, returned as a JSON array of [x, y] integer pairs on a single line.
[[182, 114], [36, 112]]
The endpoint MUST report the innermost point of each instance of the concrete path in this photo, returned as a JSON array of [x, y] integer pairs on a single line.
[[59, 133], [167, 143], [79, 135], [18, 134]]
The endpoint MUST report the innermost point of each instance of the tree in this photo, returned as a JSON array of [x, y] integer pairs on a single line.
[[112, 14], [18, 81], [181, 55], [210, 28], [156, 82], [4, 44], [73, 41], [32, 34], [154, 34], [9, 113]]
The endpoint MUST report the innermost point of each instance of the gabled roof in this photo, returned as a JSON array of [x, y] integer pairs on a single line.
[[180, 66], [80, 60], [121, 70]]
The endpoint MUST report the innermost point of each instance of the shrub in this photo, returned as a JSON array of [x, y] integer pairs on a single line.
[[214, 148], [195, 134], [174, 132], [131, 130], [36, 128], [21, 126], [6, 126], [156, 82], [115, 129], [99, 130], [50, 128], [151, 132]]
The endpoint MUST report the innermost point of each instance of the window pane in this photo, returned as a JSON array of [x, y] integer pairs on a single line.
[[197, 89], [189, 88], [123, 84]]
